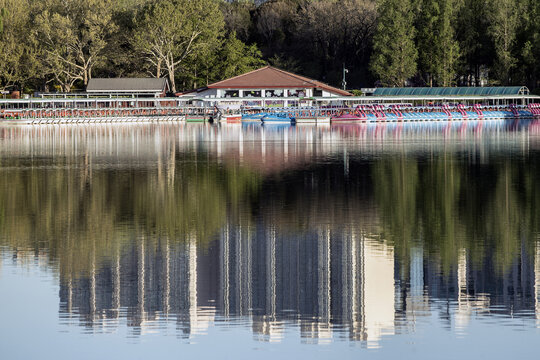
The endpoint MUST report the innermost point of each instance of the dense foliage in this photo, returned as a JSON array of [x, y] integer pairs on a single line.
[[61, 44]]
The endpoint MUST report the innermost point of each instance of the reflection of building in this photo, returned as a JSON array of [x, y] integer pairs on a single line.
[[475, 288], [150, 282], [466, 303], [326, 279], [332, 284], [417, 302], [537, 283], [378, 294]]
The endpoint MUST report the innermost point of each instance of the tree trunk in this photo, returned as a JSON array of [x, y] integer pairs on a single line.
[[158, 69], [171, 79]]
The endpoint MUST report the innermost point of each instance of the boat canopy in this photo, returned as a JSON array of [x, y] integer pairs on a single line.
[[452, 91]]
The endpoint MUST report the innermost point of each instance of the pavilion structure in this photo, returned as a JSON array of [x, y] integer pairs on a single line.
[[267, 86]]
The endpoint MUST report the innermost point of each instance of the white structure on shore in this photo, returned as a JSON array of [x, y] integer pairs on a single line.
[[268, 86]]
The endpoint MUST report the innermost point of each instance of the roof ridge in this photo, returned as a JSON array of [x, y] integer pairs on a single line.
[[284, 76], [313, 81], [241, 75]]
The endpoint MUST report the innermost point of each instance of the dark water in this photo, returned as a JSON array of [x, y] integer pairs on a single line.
[[198, 241]]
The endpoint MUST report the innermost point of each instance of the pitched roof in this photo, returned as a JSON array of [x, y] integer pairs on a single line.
[[452, 91], [270, 77], [149, 85]]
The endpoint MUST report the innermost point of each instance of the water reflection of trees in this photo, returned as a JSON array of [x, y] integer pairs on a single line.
[[447, 204], [80, 213]]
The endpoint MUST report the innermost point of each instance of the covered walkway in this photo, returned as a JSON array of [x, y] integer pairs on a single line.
[[453, 91]]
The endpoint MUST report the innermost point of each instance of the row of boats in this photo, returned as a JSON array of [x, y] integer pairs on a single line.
[[324, 115], [378, 113]]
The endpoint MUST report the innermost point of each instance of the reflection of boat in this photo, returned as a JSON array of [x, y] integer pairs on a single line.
[[277, 127], [312, 120], [350, 128], [195, 118]]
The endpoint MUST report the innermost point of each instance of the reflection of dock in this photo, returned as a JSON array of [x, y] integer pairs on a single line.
[[264, 149]]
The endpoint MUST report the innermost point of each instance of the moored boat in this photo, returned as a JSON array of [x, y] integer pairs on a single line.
[[257, 117], [278, 118], [232, 118], [347, 117]]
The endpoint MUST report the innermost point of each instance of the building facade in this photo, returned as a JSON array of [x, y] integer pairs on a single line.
[[266, 86]]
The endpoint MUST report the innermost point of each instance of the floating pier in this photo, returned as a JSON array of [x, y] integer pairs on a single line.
[[83, 110]]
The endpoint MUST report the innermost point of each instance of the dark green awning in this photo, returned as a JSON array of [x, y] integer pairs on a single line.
[[453, 91]]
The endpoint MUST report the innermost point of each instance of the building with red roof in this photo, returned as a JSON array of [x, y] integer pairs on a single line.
[[267, 82]]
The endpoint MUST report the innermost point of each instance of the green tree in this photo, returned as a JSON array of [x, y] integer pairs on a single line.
[[73, 35], [438, 49], [237, 15], [236, 58], [475, 44], [3, 13], [14, 16], [504, 16], [394, 54], [170, 31], [528, 44]]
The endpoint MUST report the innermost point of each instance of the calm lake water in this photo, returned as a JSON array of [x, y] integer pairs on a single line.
[[241, 241]]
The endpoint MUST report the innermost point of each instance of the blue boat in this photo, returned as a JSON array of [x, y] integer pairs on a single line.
[[253, 117], [277, 118]]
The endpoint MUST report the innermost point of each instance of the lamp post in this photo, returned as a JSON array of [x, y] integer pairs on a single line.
[[344, 81]]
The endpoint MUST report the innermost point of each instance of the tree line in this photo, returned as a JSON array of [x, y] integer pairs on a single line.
[[60, 45]]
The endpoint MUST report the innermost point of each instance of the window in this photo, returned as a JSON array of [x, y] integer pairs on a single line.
[[273, 93], [252, 93], [231, 93], [297, 93]]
